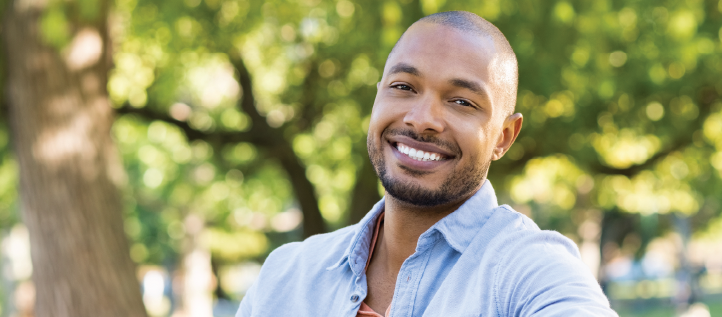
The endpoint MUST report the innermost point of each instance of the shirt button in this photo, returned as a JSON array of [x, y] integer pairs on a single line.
[[354, 298]]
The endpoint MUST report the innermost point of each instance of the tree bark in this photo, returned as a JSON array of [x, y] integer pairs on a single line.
[[365, 192], [60, 118], [313, 222], [277, 147], [303, 189]]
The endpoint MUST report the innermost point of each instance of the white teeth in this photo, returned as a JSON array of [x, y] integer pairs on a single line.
[[418, 154]]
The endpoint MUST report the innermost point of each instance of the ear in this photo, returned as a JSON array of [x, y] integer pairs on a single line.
[[510, 130]]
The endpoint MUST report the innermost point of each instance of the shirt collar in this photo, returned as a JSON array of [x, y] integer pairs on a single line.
[[458, 228], [461, 226], [358, 250]]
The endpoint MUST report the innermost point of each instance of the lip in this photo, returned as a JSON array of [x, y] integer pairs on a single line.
[[406, 161], [426, 147]]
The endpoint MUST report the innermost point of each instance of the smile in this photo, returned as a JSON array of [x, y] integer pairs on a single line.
[[419, 155]]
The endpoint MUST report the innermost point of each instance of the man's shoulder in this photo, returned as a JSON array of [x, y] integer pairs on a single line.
[[518, 232], [293, 275], [508, 241], [513, 220], [318, 251], [537, 267]]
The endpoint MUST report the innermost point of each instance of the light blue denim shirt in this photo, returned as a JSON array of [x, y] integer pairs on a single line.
[[480, 260]]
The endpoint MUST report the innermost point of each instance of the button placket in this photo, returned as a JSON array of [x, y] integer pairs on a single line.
[[407, 288]]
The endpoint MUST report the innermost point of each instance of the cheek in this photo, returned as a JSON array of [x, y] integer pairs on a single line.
[[474, 142], [375, 125], [382, 116]]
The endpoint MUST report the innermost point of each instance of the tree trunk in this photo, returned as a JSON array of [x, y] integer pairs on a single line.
[[365, 193], [69, 170], [197, 271], [313, 222]]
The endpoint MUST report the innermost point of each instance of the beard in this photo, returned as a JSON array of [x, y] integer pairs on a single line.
[[462, 182]]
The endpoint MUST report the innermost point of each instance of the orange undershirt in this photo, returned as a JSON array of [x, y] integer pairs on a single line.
[[365, 310]]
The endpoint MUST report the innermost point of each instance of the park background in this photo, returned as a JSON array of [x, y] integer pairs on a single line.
[[153, 153]]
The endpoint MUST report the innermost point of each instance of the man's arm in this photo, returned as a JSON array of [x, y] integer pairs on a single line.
[[246, 307], [545, 276], [274, 273]]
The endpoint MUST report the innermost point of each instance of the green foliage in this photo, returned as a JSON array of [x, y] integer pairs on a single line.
[[621, 99], [621, 102], [629, 66], [89, 10], [54, 26], [8, 181], [60, 19]]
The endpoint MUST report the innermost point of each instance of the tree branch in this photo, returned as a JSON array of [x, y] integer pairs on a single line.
[[597, 167], [705, 100], [221, 137], [247, 104], [261, 135], [313, 222]]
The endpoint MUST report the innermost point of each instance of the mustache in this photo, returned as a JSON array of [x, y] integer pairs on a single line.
[[452, 147]]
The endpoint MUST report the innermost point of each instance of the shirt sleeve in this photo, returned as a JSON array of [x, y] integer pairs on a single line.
[[544, 276], [272, 271], [246, 307]]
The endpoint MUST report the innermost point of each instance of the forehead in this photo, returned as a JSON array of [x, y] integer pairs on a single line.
[[443, 49]]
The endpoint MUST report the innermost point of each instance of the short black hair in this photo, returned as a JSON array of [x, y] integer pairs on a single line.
[[474, 24], [461, 20]]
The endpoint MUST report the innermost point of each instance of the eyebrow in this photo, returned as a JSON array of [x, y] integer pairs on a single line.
[[405, 68], [458, 82], [473, 86]]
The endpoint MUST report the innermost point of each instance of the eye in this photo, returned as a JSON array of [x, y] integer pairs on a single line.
[[462, 102], [402, 87]]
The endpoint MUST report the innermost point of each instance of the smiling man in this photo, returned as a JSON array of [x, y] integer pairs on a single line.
[[438, 244]]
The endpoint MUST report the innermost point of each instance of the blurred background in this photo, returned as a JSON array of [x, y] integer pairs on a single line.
[[240, 125]]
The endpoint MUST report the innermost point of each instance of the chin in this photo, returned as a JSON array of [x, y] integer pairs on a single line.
[[413, 193]]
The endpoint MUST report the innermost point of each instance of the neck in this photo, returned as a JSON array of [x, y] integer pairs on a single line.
[[403, 224]]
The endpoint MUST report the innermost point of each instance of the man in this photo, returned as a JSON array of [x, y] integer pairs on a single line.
[[437, 244]]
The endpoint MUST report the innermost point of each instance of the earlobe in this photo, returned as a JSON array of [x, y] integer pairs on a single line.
[[498, 153], [509, 132]]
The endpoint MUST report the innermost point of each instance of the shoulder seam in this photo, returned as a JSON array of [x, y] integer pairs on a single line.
[[508, 209], [496, 290]]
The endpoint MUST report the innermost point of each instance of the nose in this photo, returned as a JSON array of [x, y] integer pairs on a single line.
[[425, 116]]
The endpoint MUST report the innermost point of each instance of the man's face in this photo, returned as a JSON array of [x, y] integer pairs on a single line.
[[437, 96]]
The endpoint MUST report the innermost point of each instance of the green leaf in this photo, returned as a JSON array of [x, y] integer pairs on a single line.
[[54, 27]]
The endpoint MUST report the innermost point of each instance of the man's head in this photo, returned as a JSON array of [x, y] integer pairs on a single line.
[[504, 65], [448, 90]]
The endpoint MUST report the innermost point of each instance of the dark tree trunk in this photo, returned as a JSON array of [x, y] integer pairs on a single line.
[[282, 150], [365, 192], [313, 222], [60, 119]]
